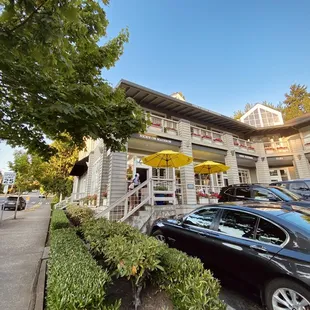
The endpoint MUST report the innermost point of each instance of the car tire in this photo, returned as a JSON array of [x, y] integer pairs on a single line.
[[275, 289], [158, 234]]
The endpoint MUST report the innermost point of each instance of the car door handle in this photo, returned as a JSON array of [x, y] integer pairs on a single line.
[[259, 248]]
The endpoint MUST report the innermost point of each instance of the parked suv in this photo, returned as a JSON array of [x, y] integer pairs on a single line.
[[10, 203], [300, 187], [258, 192]]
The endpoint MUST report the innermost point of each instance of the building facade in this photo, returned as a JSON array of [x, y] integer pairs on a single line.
[[258, 149]]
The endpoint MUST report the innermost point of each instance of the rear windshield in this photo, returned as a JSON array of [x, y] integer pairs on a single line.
[[301, 220], [12, 198]]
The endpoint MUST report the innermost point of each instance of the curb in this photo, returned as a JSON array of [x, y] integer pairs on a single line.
[[38, 286]]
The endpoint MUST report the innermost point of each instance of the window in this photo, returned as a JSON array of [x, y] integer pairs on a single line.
[[244, 176], [299, 186], [238, 224], [230, 193], [243, 192], [263, 194], [270, 233], [202, 218]]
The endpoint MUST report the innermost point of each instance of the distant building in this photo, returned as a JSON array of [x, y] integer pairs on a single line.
[[262, 116]]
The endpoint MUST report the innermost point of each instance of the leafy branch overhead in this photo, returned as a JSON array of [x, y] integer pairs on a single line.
[[50, 75]]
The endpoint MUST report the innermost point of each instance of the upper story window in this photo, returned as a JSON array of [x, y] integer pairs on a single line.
[[262, 116]]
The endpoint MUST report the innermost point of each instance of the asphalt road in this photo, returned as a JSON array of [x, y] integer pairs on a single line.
[[33, 200]]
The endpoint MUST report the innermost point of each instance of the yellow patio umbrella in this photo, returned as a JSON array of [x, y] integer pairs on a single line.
[[209, 167], [167, 159]]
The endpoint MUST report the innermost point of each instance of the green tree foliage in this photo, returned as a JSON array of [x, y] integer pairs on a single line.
[[249, 106], [50, 75], [53, 175], [297, 102], [27, 170]]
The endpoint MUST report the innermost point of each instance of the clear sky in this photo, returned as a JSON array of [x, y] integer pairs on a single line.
[[221, 54]]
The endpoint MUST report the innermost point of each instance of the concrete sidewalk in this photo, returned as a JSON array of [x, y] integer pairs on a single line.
[[22, 243]]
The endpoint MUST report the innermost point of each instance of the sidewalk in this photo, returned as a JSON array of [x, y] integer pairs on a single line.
[[22, 244]]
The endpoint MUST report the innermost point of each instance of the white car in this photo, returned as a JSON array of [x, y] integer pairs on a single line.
[[41, 196]]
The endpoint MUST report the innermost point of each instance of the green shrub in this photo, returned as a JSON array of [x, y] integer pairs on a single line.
[[75, 281], [189, 285], [54, 201], [79, 215], [97, 232], [59, 220], [134, 259]]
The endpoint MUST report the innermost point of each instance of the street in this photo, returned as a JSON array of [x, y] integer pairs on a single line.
[[33, 200]]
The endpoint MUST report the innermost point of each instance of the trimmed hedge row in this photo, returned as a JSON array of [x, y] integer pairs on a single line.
[[74, 280], [59, 220], [79, 215], [138, 257]]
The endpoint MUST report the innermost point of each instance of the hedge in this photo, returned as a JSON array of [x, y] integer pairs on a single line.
[[59, 220], [189, 285], [79, 215], [138, 257], [75, 281]]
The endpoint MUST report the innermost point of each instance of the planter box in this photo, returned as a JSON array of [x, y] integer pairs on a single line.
[[196, 138], [207, 141], [251, 151], [269, 151], [203, 200], [104, 201], [218, 143], [171, 132], [155, 128]]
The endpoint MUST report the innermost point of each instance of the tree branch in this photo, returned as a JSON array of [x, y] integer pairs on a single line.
[[29, 17]]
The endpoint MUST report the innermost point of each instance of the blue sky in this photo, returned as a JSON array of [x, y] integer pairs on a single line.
[[220, 54]]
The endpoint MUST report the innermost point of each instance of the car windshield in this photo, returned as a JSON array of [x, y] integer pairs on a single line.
[[285, 194], [308, 183], [299, 219], [12, 198]]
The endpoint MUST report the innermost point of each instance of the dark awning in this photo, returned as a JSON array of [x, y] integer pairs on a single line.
[[80, 167]]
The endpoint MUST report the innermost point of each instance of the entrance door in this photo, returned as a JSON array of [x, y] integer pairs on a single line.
[[278, 175], [143, 174]]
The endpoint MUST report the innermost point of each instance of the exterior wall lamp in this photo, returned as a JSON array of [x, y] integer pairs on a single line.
[[299, 156], [263, 158], [232, 153]]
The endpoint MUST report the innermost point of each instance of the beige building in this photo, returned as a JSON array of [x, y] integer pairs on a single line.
[[259, 148]]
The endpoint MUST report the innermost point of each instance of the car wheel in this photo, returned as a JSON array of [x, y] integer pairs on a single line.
[[287, 295], [158, 234]]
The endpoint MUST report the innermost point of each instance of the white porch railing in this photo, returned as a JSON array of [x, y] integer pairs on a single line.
[[244, 145], [277, 147], [152, 191], [78, 196], [160, 124], [207, 136]]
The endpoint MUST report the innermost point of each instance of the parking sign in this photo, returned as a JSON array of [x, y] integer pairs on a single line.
[[9, 178]]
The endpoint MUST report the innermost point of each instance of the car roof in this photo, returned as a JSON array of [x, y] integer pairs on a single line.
[[291, 181]]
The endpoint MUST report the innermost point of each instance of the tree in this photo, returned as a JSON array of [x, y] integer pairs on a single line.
[[249, 106], [50, 76], [55, 176], [27, 171], [297, 102]]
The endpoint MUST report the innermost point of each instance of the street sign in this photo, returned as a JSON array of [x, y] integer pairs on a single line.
[[9, 178]]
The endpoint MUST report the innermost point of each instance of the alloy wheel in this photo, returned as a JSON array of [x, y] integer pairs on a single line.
[[288, 299], [161, 238]]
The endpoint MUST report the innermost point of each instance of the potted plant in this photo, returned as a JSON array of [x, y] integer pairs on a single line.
[[251, 149], [243, 146], [207, 139], [202, 197], [160, 188], [282, 148], [104, 196], [236, 144], [307, 145]]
